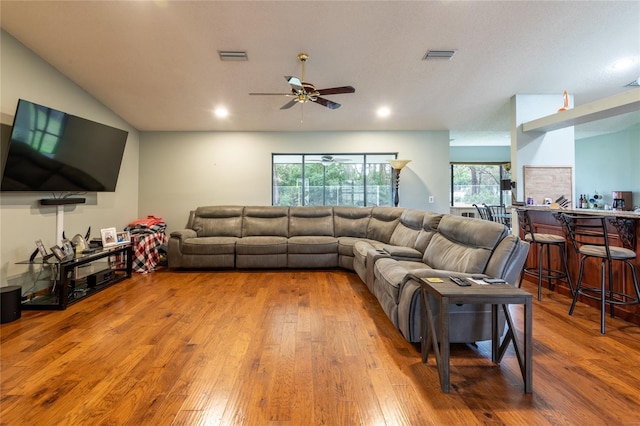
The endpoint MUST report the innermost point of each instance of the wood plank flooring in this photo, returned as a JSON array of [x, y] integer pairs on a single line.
[[296, 348]]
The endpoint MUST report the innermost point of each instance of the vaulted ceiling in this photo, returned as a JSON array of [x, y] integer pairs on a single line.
[[157, 64]]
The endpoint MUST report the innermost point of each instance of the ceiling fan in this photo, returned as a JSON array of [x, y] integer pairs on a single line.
[[303, 92], [327, 159]]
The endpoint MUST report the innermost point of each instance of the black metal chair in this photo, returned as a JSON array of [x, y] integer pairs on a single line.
[[483, 212], [590, 239], [498, 213], [543, 241]]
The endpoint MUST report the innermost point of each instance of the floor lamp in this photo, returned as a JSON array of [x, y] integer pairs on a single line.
[[397, 165]]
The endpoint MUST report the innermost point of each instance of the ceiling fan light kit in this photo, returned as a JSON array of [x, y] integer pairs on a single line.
[[303, 92]]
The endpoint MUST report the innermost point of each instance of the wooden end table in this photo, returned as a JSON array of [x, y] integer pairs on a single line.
[[447, 293]]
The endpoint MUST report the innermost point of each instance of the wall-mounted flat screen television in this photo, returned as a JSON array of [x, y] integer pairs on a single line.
[[53, 151]]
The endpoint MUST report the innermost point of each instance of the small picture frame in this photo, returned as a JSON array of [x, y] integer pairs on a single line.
[[41, 249], [57, 251], [109, 237], [123, 237]]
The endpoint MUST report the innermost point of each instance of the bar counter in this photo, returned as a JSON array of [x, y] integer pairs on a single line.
[[624, 231]]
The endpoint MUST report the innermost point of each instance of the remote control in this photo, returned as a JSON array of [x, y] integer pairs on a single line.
[[460, 281]]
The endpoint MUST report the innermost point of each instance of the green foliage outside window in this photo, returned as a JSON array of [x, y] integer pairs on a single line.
[[332, 180], [477, 184]]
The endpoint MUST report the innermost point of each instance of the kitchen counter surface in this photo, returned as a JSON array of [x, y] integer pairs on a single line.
[[597, 212]]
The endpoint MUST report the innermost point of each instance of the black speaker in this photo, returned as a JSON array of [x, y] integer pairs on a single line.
[[10, 303]]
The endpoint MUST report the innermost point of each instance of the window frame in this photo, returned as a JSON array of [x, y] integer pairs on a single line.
[[365, 175], [504, 173]]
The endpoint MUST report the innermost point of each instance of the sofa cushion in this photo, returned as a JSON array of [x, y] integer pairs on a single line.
[[429, 228], [382, 223], [351, 221], [209, 245], [345, 245], [311, 221], [261, 245], [406, 232], [312, 244], [463, 245], [266, 221], [218, 221]]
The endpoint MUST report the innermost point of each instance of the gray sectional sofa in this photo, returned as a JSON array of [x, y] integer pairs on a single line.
[[389, 248]]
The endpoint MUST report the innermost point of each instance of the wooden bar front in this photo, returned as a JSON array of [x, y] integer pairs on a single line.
[[544, 221]]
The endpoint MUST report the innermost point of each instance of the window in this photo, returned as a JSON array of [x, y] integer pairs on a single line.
[[332, 179], [478, 183]]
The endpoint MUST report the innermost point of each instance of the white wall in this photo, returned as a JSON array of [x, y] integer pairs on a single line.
[[555, 148], [180, 171], [22, 220]]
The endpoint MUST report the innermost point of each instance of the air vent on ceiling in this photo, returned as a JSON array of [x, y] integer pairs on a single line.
[[439, 54], [233, 55]]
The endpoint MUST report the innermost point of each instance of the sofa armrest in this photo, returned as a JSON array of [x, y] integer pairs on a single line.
[[183, 234], [402, 253]]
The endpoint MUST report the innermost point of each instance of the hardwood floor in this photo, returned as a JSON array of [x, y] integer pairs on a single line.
[[296, 348]]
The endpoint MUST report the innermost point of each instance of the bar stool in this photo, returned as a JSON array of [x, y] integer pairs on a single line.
[[543, 269], [483, 212], [591, 240]]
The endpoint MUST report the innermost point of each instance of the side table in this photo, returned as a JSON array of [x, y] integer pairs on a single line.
[[446, 293]]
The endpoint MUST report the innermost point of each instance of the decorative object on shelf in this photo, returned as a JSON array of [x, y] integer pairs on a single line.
[[565, 98], [59, 253], [108, 237], [397, 166]]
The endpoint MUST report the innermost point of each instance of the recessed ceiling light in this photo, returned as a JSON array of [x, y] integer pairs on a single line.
[[221, 112], [383, 112]]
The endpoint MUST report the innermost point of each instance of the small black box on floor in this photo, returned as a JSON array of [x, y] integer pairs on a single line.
[[10, 303], [100, 277]]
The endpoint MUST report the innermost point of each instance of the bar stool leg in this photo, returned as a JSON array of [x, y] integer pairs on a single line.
[[578, 284], [540, 253], [563, 255], [603, 298]]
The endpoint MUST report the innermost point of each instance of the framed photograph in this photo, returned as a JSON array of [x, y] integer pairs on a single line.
[[123, 237], [67, 247], [108, 237], [58, 252], [41, 248]]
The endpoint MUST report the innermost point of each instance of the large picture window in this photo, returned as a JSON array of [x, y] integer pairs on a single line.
[[332, 179], [478, 183]]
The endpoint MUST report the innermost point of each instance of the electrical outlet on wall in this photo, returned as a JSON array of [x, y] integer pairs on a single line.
[[432, 199]]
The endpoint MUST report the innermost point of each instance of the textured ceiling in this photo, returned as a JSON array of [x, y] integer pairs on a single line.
[[156, 63]]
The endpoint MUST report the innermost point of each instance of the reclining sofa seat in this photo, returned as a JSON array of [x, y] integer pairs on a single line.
[[380, 228], [311, 242], [209, 239], [265, 230], [349, 226], [461, 247]]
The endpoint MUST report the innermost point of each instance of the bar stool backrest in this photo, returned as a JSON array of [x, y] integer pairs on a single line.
[[525, 224], [586, 230], [498, 213], [483, 211]]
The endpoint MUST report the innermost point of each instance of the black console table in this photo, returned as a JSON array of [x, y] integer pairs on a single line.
[[80, 277]]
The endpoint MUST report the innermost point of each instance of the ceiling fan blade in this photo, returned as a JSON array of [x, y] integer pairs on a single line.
[[337, 90], [294, 82], [289, 104], [326, 102]]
